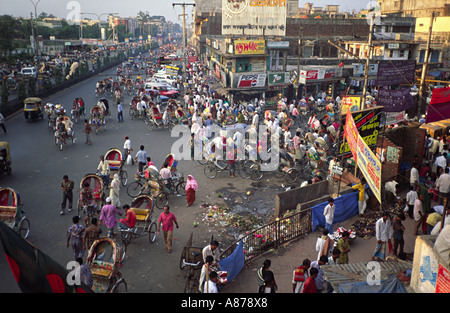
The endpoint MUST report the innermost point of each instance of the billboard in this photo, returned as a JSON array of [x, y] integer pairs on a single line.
[[395, 72], [254, 17], [251, 80], [276, 79], [352, 103], [244, 47], [439, 108], [317, 74], [395, 100]]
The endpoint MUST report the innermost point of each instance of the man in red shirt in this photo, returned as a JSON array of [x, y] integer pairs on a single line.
[[130, 220], [167, 219], [310, 283]]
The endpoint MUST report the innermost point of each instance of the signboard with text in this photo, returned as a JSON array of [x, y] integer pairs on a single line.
[[395, 72], [275, 79], [244, 47], [251, 80], [254, 17]]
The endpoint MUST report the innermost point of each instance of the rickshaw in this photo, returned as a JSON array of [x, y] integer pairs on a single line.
[[97, 118], [155, 118], [129, 87], [133, 112], [104, 104], [145, 223], [100, 88], [116, 162], [51, 115], [303, 105], [105, 259], [5, 158], [78, 109], [98, 189], [33, 108], [61, 138], [181, 117], [11, 212], [118, 95]]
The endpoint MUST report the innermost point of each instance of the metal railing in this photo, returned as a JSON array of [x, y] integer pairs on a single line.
[[273, 235]]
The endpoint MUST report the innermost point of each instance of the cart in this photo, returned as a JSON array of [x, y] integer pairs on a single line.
[[11, 212], [116, 162]]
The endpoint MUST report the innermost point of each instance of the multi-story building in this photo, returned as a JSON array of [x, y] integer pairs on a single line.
[[415, 8]]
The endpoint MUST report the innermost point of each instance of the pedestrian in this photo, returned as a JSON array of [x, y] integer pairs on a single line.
[[418, 214], [108, 217], [87, 130], [263, 272], [191, 188], [67, 189], [114, 191], [328, 212], [300, 275], [411, 197], [75, 234], [167, 219], [334, 258], [310, 284], [443, 185], [343, 246], [383, 234], [91, 234], [119, 112], [84, 272], [320, 279], [361, 188], [432, 220], [2, 123], [269, 285], [127, 150], [399, 228], [207, 268], [324, 244], [141, 158]]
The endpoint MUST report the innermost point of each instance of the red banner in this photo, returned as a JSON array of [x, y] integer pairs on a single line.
[[351, 134]]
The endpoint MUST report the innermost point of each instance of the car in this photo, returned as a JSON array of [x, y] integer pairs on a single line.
[[153, 93], [161, 82], [28, 71], [165, 77], [162, 90]]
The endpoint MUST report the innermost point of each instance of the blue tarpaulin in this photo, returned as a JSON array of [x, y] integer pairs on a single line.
[[390, 285], [346, 207], [234, 263]]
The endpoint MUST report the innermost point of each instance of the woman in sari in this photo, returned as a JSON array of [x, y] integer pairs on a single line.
[[191, 188], [114, 191]]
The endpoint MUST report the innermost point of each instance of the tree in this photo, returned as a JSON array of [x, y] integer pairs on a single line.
[[8, 31], [5, 94]]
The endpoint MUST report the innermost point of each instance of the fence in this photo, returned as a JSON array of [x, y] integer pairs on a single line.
[[273, 235]]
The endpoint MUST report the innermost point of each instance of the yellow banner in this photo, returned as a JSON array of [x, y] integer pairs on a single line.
[[244, 47]]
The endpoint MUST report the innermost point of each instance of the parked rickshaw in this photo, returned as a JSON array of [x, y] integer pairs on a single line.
[[97, 118], [33, 109], [145, 222], [105, 260], [97, 190], [5, 158], [11, 212], [116, 162]]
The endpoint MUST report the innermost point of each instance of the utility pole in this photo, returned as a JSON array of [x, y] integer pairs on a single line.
[[366, 70], [425, 69], [183, 5]]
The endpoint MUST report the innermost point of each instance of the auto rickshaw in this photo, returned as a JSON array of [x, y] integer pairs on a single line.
[[5, 158], [33, 108]]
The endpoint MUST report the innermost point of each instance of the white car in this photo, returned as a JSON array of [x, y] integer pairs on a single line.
[[28, 71], [165, 77]]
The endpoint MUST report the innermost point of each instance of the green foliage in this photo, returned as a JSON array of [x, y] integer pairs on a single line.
[[21, 90], [4, 93]]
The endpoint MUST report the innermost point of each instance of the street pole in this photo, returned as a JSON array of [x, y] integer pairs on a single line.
[[36, 41], [366, 70], [183, 5], [425, 69]]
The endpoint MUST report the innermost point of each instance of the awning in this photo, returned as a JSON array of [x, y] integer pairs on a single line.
[[435, 73]]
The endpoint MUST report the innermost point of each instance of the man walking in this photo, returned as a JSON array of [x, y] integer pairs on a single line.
[[75, 233], [383, 234], [443, 185], [328, 212], [67, 189], [119, 112], [127, 149], [141, 158], [167, 219], [418, 214], [108, 217]]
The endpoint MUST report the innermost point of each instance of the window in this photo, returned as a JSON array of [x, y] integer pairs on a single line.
[[243, 65], [401, 54], [391, 53]]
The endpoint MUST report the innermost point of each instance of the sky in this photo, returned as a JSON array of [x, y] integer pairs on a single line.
[[67, 8]]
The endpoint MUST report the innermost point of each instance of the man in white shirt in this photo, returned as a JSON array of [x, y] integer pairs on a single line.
[[211, 285], [238, 140], [127, 150], [390, 189], [443, 185], [441, 161], [411, 197], [328, 212], [414, 177], [383, 233]]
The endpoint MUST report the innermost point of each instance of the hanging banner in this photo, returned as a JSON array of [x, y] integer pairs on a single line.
[[395, 72], [395, 100], [439, 108], [365, 159]]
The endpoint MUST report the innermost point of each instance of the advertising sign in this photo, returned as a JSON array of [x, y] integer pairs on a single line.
[[322, 73], [359, 69], [244, 47], [395, 100], [251, 80], [368, 124], [278, 79], [395, 72], [352, 103], [254, 17], [439, 108], [351, 134]]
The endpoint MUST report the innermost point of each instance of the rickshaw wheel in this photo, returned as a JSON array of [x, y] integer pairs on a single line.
[[181, 188], [161, 200], [182, 259], [134, 189], [24, 228], [124, 178], [210, 171], [291, 176], [152, 232], [279, 173], [120, 286]]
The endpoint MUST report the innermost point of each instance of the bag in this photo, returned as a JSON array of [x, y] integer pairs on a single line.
[[299, 274], [129, 160]]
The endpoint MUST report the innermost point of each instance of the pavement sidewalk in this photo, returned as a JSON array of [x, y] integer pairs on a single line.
[[287, 258]]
